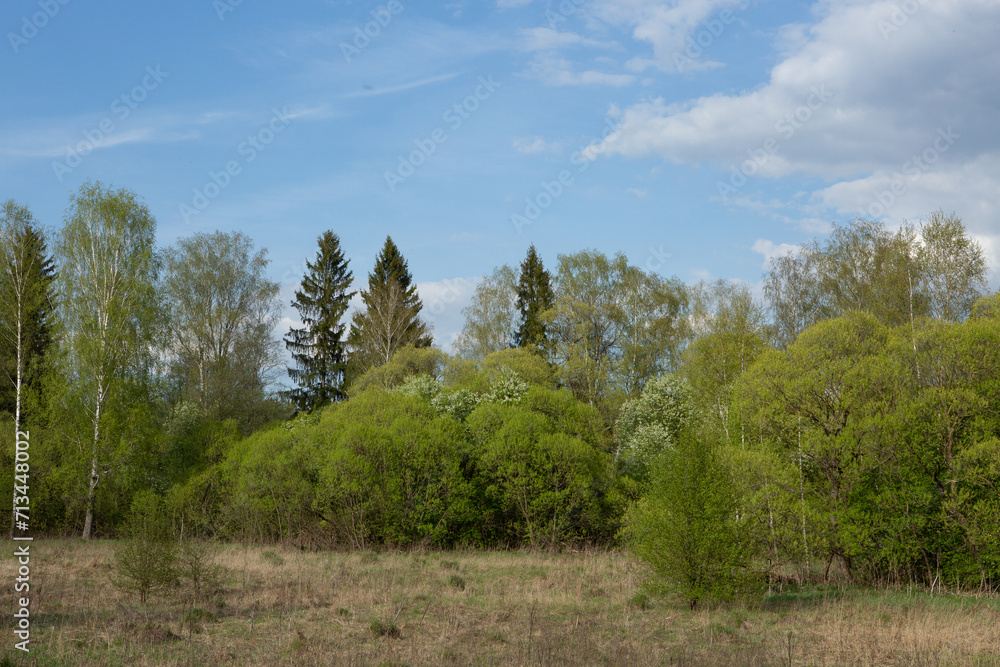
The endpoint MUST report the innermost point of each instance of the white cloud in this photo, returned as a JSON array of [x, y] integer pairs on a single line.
[[443, 302], [409, 85], [669, 28], [556, 71], [547, 39], [770, 250], [530, 145], [865, 97], [874, 101]]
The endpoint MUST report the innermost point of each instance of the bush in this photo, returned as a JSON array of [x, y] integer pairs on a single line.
[[686, 528], [145, 562], [196, 569]]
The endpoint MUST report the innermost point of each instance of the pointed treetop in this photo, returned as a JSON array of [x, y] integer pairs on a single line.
[[389, 263], [534, 297]]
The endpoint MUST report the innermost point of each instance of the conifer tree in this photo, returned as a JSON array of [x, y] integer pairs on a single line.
[[319, 347], [26, 275], [534, 297], [391, 319]]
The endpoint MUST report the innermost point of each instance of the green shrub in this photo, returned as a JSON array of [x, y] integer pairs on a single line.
[[145, 561], [686, 528]]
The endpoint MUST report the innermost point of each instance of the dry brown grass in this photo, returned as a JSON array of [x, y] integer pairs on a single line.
[[286, 607]]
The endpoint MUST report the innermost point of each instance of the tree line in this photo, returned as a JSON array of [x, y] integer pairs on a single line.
[[111, 345], [846, 421]]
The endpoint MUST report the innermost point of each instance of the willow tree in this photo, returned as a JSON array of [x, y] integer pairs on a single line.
[[107, 273]]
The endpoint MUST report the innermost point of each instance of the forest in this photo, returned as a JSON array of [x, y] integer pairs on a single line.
[[844, 421]]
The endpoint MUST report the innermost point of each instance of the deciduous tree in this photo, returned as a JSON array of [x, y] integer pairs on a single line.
[[106, 281], [490, 317], [221, 309], [954, 267], [26, 275]]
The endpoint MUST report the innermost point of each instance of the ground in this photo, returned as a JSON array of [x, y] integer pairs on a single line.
[[275, 606]]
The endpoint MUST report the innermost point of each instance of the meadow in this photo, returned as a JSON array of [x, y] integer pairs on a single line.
[[268, 605]]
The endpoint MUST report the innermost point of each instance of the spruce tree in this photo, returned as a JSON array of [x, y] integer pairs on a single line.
[[26, 275], [534, 297], [391, 319], [319, 347]]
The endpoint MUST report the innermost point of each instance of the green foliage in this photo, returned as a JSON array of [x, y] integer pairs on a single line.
[[613, 327], [479, 375], [459, 403], [388, 471], [874, 445], [144, 564], [391, 319], [196, 569], [544, 482], [731, 332], [507, 388], [531, 367], [893, 275], [319, 348], [954, 267], [987, 307], [221, 310], [649, 424], [490, 316], [408, 361], [535, 296], [26, 317], [686, 528], [111, 315]]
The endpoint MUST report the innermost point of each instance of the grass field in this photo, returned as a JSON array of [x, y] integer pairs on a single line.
[[286, 607]]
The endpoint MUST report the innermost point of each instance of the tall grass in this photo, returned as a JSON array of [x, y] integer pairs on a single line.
[[287, 607]]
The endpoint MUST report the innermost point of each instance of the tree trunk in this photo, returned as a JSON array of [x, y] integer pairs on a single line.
[[88, 524], [17, 402]]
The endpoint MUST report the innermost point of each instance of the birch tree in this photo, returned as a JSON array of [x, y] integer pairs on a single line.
[[107, 299], [26, 274], [221, 313], [25, 312]]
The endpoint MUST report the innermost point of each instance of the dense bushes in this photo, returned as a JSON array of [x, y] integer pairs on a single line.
[[421, 464]]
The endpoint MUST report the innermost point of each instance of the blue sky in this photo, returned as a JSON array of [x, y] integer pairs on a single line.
[[699, 137]]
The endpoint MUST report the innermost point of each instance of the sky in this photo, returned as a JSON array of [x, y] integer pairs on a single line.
[[698, 137]]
